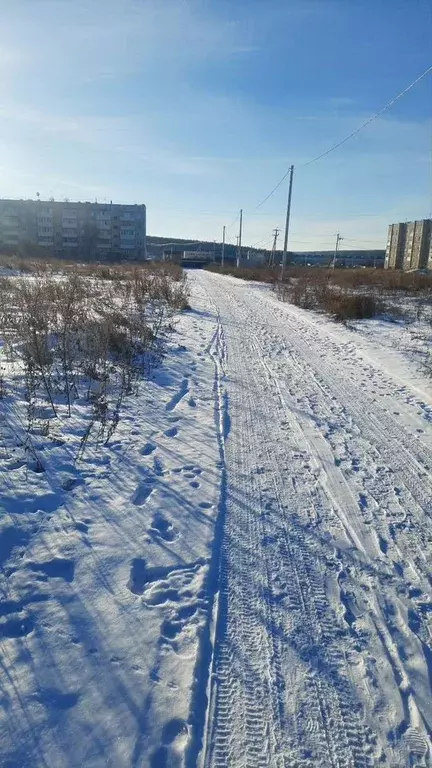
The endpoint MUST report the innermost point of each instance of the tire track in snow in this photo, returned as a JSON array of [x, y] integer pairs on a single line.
[[202, 699], [322, 721], [226, 695], [408, 460], [251, 723]]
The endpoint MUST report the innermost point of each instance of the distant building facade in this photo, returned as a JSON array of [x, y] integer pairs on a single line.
[[409, 245], [188, 258], [94, 231], [345, 258]]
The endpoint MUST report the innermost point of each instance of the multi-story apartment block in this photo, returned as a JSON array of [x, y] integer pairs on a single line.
[[409, 245], [73, 230]]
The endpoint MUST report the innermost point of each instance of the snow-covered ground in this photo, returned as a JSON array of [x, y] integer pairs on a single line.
[[323, 653], [105, 571], [243, 577]]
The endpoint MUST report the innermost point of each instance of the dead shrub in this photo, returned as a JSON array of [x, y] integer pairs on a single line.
[[345, 306], [262, 274], [87, 336]]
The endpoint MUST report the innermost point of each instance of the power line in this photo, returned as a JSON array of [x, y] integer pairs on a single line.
[[359, 240], [233, 222], [370, 120], [264, 244], [309, 242], [351, 135], [265, 240], [274, 190]]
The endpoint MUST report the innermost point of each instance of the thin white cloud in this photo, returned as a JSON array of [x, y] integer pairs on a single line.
[[99, 39], [109, 136]]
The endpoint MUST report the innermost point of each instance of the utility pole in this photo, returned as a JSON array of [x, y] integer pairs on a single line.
[[239, 238], [223, 245], [275, 234], [287, 222], [338, 240]]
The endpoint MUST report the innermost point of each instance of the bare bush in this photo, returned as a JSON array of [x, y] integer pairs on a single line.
[[347, 294], [89, 337], [255, 274]]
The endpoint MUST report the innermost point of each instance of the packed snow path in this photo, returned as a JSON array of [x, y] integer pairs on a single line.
[[322, 648]]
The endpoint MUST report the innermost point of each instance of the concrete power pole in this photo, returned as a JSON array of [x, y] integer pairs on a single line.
[[338, 240], [223, 245], [275, 234], [287, 222], [240, 238]]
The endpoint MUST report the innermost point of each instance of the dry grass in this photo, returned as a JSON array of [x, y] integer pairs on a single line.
[[340, 303], [356, 294], [256, 274], [384, 279], [345, 294], [87, 335]]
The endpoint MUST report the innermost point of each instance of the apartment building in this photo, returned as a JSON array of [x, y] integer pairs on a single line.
[[73, 230], [409, 245]]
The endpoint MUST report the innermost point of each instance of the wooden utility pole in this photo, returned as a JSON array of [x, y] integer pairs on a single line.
[[275, 234], [223, 245], [287, 222], [338, 240], [240, 238]]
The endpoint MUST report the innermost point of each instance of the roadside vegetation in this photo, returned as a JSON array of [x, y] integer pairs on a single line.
[[347, 294], [76, 340], [256, 274]]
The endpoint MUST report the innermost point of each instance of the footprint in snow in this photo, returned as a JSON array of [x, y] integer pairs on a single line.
[[171, 432], [190, 471], [175, 730], [81, 526], [142, 493], [138, 576], [158, 467], [383, 544], [159, 758], [162, 528], [147, 449], [162, 584], [58, 568], [15, 625]]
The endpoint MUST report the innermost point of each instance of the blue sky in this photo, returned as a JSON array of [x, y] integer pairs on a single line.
[[197, 107]]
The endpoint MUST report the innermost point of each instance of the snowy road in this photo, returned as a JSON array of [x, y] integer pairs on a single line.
[[323, 652]]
